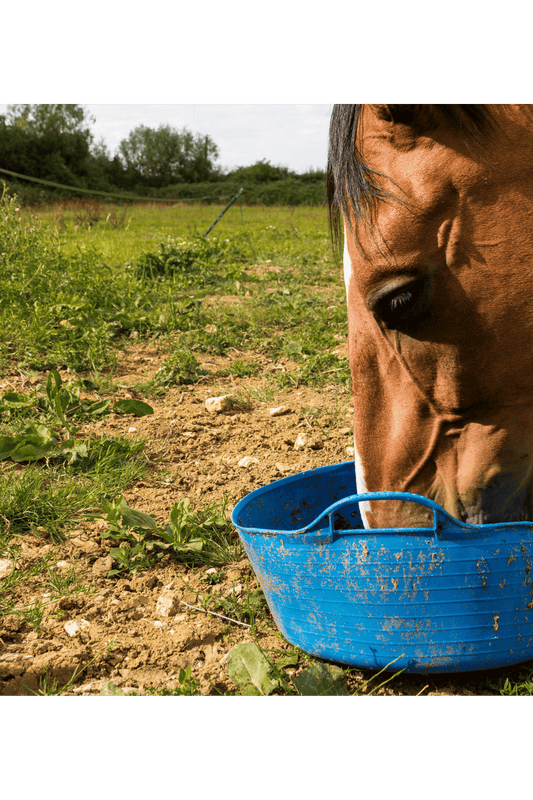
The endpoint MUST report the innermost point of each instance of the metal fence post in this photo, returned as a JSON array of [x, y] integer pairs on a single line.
[[223, 212]]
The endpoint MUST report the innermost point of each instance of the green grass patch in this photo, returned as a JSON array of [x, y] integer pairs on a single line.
[[192, 537]]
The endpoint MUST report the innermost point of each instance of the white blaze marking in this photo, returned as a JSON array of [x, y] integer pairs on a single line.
[[347, 261], [364, 506]]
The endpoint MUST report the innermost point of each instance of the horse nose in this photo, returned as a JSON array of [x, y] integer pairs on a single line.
[[503, 499]]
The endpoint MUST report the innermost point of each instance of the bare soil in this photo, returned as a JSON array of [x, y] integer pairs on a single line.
[[148, 617]]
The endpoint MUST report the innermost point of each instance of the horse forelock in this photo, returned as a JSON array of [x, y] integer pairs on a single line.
[[352, 186]]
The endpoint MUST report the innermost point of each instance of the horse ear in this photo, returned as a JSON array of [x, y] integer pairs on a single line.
[[399, 114]]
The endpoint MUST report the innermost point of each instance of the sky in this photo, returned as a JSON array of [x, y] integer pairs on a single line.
[[288, 134]]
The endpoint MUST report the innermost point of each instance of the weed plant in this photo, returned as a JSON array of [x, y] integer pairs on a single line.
[[192, 537]]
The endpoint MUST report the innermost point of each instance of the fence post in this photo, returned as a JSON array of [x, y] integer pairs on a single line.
[[223, 212]]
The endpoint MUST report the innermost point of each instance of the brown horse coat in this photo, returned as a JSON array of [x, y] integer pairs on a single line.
[[440, 309]]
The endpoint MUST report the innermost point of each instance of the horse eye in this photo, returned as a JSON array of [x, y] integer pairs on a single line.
[[403, 307]]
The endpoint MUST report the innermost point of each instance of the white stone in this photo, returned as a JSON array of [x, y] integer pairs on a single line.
[[168, 605], [215, 405], [301, 441], [277, 412], [73, 626], [350, 451], [6, 567], [247, 461]]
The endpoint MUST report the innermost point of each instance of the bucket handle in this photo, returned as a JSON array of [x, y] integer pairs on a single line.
[[441, 518]]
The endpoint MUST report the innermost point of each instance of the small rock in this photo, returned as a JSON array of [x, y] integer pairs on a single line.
[[312, 442], [301, 441], [64, 565], [247, 461], [73, 626], [215, 405], [350, 451], [85, 546], [132, 430], [345, 431], [277, 412], [167, 605], [234, 574], [6, 567], [102, 566], [283, 469]]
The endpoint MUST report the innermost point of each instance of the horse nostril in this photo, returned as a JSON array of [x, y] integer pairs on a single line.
[[503, 499]]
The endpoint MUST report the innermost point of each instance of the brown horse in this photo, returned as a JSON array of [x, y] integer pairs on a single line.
[[437, 208]]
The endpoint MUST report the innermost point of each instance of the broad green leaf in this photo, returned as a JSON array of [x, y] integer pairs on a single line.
[[135, 519], [7, 445], [251, 670], [30, 451], [95, 407], [15, 400], [42, 432], [74, 450], [290, 660], [321, 680], [196, 545], [135, 407]]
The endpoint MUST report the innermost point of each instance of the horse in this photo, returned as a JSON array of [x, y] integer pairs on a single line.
[[432, 206]]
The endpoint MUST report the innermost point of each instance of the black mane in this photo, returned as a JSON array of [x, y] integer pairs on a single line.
[[350, 182]]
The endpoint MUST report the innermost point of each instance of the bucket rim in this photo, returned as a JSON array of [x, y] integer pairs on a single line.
[[442, 520]]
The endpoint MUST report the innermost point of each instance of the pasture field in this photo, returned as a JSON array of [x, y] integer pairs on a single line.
[[120, 572]]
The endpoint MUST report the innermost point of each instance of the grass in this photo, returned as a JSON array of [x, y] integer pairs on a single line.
[[70, 293], [192, 537], [72, 290], [76, 284]]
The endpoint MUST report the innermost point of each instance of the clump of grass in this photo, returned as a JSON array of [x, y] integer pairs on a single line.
[[240, 369], [181, 367], [204, 536], [518, 685], [195, 260], [317, 370], [188, 686], [52, 496]]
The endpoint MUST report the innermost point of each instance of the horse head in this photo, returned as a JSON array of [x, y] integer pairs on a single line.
[[436, 203]]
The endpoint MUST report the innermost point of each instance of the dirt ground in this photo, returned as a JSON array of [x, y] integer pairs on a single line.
[[147, 618]]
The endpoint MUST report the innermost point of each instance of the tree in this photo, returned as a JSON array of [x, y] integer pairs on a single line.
[[166, 155], [261, 172], [51, 118], [48, 141]]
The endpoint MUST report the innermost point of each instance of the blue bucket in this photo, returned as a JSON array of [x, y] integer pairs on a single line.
[[449, 598]]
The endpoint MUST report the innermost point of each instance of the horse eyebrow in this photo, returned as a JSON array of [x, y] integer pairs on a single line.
[[351, 187]]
